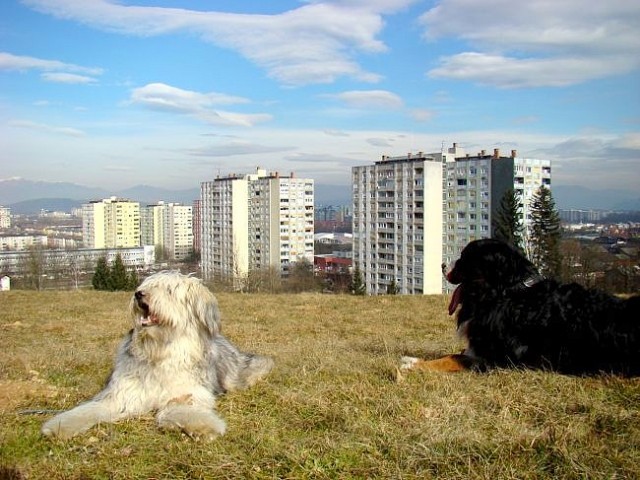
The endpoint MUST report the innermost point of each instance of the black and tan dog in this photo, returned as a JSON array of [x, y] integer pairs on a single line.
[[510, 316]]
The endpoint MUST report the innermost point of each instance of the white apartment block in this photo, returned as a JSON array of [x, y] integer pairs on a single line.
[[255, 222], [412, 213], [397, 223], [286, 203], [168, 226], [224, 206], [22, 242], [111, 223], [5, 217], [74, 261], [151, 225]]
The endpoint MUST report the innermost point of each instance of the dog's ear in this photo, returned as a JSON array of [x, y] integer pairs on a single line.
[[205, 310]]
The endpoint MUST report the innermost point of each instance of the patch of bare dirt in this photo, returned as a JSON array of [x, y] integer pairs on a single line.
[[15, 393]]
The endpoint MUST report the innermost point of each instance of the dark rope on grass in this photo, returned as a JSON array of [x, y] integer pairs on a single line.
[[42, 411]]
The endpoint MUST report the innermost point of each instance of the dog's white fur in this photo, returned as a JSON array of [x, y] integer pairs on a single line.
[[174, 361]]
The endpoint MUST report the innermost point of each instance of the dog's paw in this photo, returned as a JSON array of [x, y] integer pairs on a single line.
[[195, 421], [407, 363], [56, 428]]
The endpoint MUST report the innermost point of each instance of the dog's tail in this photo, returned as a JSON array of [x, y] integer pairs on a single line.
[[255, 368]]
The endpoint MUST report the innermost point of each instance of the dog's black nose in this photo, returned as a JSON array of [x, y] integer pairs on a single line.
[[138, 295]]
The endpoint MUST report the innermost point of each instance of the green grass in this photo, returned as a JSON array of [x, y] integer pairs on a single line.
[[332, 408]]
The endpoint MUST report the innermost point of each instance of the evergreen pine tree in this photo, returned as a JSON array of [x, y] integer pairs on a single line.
[[100, 280], [118, 278], [133, 280], [545, 233], [507, 224], [357, 283]]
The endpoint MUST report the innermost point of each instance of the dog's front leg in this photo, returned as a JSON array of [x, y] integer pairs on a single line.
[[449, 363], [81, 418], [197, 421]]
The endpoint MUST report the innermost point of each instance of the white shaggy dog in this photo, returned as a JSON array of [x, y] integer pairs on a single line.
[[174, 361]]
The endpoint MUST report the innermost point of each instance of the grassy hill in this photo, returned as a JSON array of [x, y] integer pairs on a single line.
[[332, 408]]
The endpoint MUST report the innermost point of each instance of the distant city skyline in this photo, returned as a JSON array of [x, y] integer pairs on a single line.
[[172, 93]]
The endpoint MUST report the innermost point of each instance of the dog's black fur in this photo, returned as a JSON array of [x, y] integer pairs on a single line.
[[511, 316]]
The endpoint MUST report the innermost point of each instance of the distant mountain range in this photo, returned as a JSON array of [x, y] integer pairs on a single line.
[[27, 196]]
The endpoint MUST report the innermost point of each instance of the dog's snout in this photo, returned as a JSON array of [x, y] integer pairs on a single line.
[[139, 295]]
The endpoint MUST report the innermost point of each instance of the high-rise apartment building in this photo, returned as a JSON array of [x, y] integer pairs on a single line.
[[414, 212], [196, 216], [111, 223], [255, 222], [5, 217], [474, 187], [168, 226], [397, 223], [152, 226]]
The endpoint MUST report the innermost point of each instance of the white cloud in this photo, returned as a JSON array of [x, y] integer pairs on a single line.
[[380, 142], [70, 78], [536, 43], [422, 114], [315, 158], [237, 148], [9, 62], [506, 72], [166, 97], [314, 43], [604, 160], [68, 131], [629, 140], [159, 96], [369, 99]]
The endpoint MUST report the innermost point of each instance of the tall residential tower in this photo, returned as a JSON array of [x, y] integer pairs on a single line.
[[111, 223], [414, 212], [255, 222], [168, 226]]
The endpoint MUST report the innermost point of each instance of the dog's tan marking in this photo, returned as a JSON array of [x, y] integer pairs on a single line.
[[450, 363]]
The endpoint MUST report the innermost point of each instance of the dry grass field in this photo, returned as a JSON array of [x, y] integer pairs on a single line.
[[332, 408]]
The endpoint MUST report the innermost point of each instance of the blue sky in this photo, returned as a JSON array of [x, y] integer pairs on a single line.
[[171, 93]]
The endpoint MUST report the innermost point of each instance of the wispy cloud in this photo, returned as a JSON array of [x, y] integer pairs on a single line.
[[335, 133], [72, 132], [202, 106], [511, 72], [314, 43], [237, 148], [537, 44], [70, 78], [380, 142], [9, 61], [369, 99], [422, 114]]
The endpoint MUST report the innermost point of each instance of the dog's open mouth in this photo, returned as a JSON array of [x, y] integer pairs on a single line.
[[147, 318], [455, 299]]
